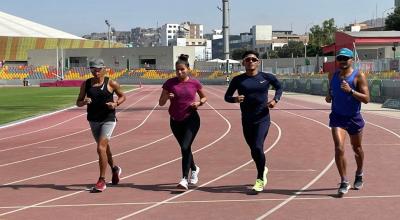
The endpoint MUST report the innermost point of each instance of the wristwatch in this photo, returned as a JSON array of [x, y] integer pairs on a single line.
[[351, 91], [276, 100]]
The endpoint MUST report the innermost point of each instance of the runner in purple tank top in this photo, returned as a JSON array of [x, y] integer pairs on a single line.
[[184, 121], [347, 89]]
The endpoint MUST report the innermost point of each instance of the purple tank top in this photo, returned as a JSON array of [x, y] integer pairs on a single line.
[[184, 95]]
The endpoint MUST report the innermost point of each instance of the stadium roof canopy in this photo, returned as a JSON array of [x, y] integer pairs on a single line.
[[12, 26]]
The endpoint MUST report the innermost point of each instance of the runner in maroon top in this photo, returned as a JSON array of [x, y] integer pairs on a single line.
[[184, 121]]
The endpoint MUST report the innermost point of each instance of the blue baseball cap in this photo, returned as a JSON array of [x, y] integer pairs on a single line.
[[345, 52]]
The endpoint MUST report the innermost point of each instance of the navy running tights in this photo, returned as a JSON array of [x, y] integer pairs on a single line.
[[255, 134]]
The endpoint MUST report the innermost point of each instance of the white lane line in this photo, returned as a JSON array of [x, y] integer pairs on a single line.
[[206, 201], [52, 126], [392, 132], [95, 161], [316, 178], [42, 129], [310, 183], [71, 134], [72, 194], [205, 184], [306, 186], [80, 146], [42, 116], [283, 170], [194, 152], [386, 129]]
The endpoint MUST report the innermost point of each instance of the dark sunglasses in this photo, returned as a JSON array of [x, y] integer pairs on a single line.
[[252, 59], [343, 58]]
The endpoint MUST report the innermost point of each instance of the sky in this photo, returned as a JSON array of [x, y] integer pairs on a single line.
[[81, 17]]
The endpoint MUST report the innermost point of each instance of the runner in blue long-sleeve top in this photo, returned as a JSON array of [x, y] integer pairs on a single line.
[[252, 88]]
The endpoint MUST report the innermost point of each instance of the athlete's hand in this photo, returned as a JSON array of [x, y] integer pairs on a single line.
[[328, 99], [195, 105], [345, 86], [239, 98], [271, 104], [111, 105], [87, 101]]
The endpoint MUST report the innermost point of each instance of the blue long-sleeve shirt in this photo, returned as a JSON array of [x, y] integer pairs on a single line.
[[255, 90]]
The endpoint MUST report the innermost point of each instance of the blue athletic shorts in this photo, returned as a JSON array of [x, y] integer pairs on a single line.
[[352, 124]]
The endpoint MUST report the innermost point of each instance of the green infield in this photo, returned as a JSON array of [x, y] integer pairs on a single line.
[[17, 103]]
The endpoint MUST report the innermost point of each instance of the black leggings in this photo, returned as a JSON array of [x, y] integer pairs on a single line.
[[255, 135], [185, 131]]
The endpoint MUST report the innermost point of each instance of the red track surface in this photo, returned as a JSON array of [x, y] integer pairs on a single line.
[[47, 164]]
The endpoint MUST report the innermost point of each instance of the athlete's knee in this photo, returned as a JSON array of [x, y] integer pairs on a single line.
[[102, 146], [339, 151], [357, 149], [257, 151]]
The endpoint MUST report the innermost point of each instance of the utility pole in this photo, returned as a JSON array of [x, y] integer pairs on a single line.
[[225, 27], [108, 32]]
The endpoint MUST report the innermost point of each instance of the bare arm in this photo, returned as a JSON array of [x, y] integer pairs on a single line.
[[82, 99], [203, 99], [165, 95], [362, 93], [118, 91], [328, 97]]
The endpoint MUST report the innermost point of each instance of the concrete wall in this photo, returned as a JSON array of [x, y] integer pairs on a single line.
[[115, 57]]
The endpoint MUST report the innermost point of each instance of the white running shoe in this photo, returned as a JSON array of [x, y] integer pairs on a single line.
[[265, 180], [183, 184], [194, 177]]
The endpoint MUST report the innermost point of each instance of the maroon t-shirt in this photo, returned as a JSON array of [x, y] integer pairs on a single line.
[[184, 95]]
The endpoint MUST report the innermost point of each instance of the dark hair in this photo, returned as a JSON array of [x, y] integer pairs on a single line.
[[247, 52], [183, 59]]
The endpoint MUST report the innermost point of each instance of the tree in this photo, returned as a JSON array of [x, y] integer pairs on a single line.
[[313, 50], [293, 48], [237, 53], [270, 54], [321, 36], [392, 22]]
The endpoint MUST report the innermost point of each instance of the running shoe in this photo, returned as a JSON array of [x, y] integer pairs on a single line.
[[344, 188], [100, 185], [194, 177], [183, 184], [265, 180], [116, 173], [358, 182], [259, 185]]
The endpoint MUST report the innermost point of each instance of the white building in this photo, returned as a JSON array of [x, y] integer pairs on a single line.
[[168, 33], [217, 34], [261, 33], [187, 35]]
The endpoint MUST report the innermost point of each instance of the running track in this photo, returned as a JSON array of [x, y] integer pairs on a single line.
[[47, 164]]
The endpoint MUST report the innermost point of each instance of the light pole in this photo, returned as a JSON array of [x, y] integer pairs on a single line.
[[305, 43], [108, 32], [305, 50]]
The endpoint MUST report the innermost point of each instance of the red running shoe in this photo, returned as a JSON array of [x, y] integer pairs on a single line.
[[100, 185]]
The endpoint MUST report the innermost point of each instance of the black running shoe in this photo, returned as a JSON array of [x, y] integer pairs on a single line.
[[344, 188], [358, 182]]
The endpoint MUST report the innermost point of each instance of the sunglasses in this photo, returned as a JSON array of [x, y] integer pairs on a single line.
[[343, 58], [251, 59]]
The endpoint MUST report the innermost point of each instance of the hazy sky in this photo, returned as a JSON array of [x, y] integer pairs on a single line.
[[86, 16]]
